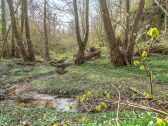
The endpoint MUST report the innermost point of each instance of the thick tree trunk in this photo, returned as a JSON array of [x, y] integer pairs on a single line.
[[82, 44], [46, 46], [5, 48], [28, 36], [116, 56], [80, 56], [15, 31]]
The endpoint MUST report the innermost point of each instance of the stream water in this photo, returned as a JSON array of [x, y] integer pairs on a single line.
[[23, 94]]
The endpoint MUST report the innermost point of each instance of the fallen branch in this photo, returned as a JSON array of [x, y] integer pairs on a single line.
[[145, 108], [118, 107], [164, 10]]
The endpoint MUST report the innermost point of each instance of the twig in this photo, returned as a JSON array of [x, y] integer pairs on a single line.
[[163, 9], [118, 107], [145, 108]]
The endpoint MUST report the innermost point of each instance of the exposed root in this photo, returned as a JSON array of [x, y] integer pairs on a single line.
[[94, 54]]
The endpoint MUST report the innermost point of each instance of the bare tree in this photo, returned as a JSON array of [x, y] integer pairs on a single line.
[[5, 49], [127, 22], [16, 32], [116, 56], [134, 31], [13, 50], [27, 31], [46, 46], [123, 56], [81, 43], [22, 17]]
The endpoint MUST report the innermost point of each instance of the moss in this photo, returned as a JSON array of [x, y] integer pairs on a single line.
[[101, 74], [40, 116], [18, 73]]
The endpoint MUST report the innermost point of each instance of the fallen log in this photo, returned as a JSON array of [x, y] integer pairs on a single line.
[[94, 54], [60, 65]]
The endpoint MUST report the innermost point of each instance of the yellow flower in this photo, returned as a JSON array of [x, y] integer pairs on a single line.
[[144, 54], [71, 105], [136, 63], [147, 96], [55, 124], [153, 32], [108, 96], [104, 105], [142, 68], [160, 122], [82, 99], [89, 94], [83, 120], [21, 106], [105, 93], [65, 124], [98, 108]]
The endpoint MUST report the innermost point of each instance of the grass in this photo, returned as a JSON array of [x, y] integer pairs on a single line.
[[99, 73], [39, 116], [21, 73], [91, 75]]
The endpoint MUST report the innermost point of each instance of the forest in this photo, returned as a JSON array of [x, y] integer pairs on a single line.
[[83, 62]]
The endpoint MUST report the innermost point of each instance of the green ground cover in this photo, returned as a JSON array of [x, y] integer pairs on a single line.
[[38, 116], [91, 75]]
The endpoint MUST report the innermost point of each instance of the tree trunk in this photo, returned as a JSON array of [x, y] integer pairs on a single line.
[[81, 56], [117, 58], [22, 17], [166, 17], [82, 44], [5, 48], [15, 31], [27, 31], [133, 34], [46, 46], [127, 24], [13, 46]]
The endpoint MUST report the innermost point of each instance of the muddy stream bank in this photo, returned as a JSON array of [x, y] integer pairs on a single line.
[[18, 94]]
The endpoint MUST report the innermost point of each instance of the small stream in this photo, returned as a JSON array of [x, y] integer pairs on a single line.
[[18, 94]]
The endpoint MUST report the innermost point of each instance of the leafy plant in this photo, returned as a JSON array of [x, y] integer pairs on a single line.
[[144, 66]]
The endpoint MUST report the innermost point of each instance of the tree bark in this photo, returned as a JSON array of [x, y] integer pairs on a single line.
[[166, 17], [16, 32], [116, 55], [13, 50], [82, 43], [46, 46], [22, 17], [134, 30], [5, 49], [28, 36], [127, 21]]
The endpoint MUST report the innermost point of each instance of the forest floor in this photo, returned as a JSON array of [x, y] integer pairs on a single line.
[[92, 75]]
